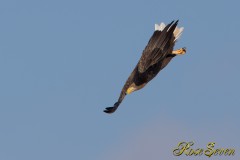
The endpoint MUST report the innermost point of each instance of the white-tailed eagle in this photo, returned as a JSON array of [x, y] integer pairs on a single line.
[[156, 55]]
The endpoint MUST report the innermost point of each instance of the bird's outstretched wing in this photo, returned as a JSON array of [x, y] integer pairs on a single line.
[[158, 47]]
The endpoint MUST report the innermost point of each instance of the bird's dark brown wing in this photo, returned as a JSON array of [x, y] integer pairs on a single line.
[[123, 92], [158, 47]]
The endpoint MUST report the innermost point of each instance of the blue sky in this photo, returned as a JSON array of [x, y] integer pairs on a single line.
[[63, 62]]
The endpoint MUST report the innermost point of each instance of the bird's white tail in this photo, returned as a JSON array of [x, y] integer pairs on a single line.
[[177, 32]]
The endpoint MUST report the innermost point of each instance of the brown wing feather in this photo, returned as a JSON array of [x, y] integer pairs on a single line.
[[157, 47]]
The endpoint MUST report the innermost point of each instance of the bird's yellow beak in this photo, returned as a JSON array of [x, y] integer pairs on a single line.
[[130, 90]]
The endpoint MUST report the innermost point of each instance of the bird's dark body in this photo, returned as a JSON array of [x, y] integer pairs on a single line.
[[156, 56], [151, 72]]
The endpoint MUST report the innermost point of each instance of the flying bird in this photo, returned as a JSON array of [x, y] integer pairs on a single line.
[[156, 55]]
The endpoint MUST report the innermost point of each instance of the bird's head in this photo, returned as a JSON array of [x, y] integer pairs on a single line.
[[130, 90], [134, 87]]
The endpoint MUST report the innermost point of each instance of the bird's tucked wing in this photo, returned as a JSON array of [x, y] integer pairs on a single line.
[[158, 47]]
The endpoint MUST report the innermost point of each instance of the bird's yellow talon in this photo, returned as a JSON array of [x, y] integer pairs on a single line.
[[180, 51]]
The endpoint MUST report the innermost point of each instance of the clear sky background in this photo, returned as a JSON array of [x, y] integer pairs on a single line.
[[63, 62]]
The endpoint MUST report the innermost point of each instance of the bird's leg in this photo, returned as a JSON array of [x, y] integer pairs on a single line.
[[180, 51]]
